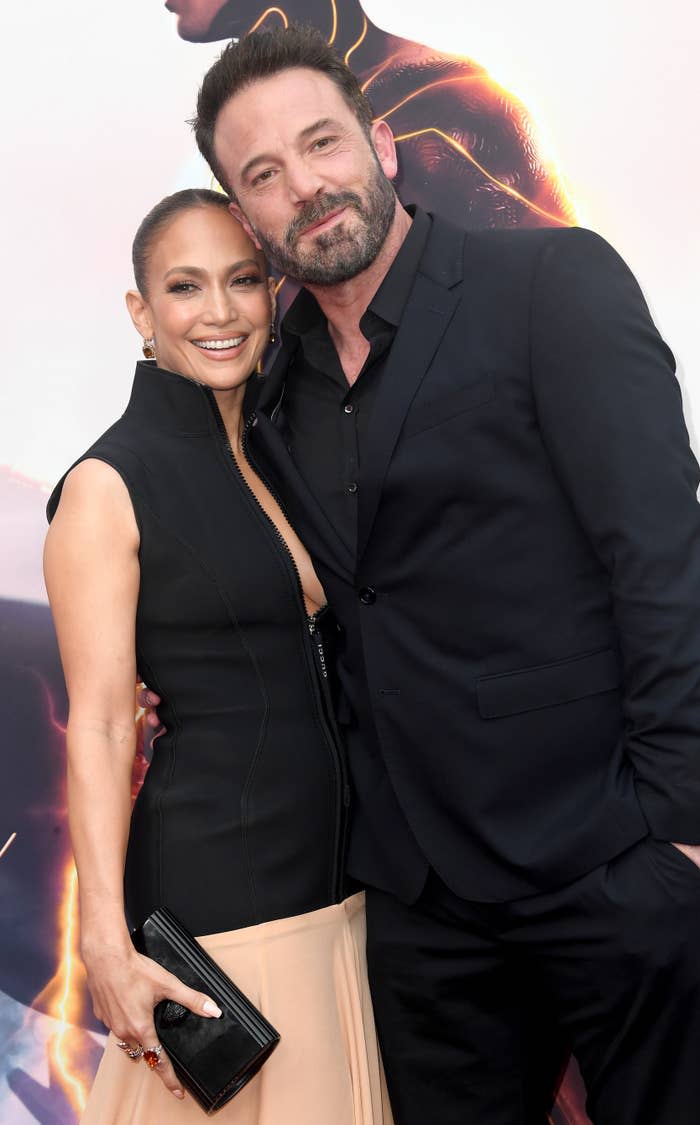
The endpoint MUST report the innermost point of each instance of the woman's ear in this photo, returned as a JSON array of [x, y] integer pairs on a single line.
[[139, 313]]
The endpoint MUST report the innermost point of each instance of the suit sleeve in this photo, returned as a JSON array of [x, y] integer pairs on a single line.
[[610, 413]]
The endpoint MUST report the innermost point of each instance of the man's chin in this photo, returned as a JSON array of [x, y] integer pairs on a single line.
[[332, 271]]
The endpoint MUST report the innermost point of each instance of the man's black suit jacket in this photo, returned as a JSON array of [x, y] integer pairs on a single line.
[[521, 625]]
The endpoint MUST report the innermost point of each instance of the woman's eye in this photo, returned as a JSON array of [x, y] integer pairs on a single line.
[[246, 280], [182, 287]]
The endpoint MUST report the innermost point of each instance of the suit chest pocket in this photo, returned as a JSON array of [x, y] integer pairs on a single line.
[[564, 681], [426, 415]]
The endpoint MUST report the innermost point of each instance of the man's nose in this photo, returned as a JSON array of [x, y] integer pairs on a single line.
[[304, 181]]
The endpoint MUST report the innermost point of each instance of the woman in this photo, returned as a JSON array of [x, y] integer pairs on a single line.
[[166, 552]]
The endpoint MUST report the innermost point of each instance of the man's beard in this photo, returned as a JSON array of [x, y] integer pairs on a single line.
[[338, 254]]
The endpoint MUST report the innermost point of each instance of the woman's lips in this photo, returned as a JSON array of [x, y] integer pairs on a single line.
[[220, 348]]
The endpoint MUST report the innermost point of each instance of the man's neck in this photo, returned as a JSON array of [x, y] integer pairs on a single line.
[[344, 305]]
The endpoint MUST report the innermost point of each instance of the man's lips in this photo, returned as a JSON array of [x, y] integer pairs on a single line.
[[327, 220]]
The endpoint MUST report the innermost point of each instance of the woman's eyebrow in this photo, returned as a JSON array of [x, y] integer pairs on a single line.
[[197, 271]]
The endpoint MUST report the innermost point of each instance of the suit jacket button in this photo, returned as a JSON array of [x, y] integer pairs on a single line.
[[368, 596]]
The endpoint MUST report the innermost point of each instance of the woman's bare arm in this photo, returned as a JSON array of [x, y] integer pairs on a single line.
[[91, 568]]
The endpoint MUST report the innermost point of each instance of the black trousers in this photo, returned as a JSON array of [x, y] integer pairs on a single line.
[[475, 1002]]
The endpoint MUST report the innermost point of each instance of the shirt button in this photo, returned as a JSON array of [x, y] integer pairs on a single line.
[[352, 487], [368, 596], [348, 408]]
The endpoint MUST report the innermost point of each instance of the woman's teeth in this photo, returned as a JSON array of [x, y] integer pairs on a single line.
[[219, 345]]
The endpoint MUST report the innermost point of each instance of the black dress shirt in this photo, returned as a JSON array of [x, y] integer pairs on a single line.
[[327, 418]]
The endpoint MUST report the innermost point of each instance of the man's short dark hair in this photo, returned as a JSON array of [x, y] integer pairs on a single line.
[[263, 54]]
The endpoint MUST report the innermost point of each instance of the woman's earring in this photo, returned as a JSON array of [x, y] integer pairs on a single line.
[[273, 334], [149, 348]]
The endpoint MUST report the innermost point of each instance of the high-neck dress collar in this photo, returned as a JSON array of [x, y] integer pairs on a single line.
[[168, 401]]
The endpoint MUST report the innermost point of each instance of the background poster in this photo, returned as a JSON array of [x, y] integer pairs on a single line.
[[95, 101]]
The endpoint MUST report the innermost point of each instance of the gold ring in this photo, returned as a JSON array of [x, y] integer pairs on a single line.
[[134, 1053]]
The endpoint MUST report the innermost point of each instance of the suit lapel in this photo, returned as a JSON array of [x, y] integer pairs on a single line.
[[429, 309], [424, 321]]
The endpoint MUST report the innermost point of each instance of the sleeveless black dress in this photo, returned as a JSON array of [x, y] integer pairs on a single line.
[[241, 817]]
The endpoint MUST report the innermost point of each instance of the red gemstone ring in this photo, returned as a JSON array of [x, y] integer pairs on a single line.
[[151, 1055]]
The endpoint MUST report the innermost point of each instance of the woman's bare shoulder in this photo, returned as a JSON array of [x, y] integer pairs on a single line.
[[95, 497]]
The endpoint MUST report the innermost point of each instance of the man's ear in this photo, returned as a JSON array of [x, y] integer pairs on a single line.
[[385, 148], [240, 217], [139, 313]]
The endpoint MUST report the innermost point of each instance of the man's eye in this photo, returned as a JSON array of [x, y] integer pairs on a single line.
[[263, 177], [322, 142]]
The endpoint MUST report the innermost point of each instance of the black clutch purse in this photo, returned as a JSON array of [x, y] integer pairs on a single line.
[[213, 1058]]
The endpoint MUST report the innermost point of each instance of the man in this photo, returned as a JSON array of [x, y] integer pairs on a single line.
[[480, 439], [468, 146]]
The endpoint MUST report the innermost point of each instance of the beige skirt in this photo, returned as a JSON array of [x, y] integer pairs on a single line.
[[308, 975]]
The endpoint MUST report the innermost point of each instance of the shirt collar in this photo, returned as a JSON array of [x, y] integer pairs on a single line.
[[390, 299], [305, 317]]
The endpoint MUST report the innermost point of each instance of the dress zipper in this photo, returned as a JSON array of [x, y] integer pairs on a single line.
[[318, 653]]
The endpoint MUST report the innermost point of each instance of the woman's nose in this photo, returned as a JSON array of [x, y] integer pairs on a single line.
[[222, 307]]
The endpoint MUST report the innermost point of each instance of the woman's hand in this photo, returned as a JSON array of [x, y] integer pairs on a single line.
[[148, 700], [125, 988]]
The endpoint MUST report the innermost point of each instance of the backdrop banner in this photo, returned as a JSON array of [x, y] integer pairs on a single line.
[[98, 135]]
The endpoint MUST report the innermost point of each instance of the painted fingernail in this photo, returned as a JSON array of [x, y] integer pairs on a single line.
[[149, 699], [211, 1008], [178, 1094]]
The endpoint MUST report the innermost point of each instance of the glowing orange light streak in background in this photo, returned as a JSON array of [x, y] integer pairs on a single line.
[[59, 727], [263, 17], [334, 28], [66, 1003], [494, 180], [356, 44], [380, 70], [8, 844], [285, 20], [432, 85], [60, 998]]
